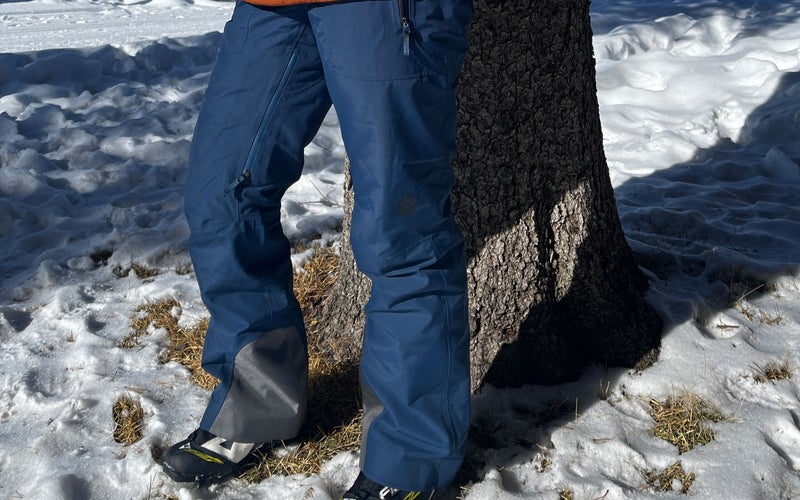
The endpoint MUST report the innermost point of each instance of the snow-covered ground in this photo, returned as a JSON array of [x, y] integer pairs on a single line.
[[700, 103]]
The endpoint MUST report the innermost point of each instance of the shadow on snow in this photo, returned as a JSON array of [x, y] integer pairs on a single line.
[[704, 232]]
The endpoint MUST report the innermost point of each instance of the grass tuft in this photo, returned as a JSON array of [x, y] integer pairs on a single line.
[[741, 304], [186, 347], [128, 417], [144, 272], [158, 314], [670, 479], [184, 269], [185, 344], [772, 371], [141, 272], [141, 318], [566, 494], [683, 420]]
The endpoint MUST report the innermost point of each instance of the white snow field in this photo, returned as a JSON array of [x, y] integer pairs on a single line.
[[700, 104]]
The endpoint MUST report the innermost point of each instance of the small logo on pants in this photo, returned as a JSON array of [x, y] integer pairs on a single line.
[[407, 206]]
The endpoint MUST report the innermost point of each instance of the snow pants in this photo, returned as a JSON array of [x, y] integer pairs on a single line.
[[393, 85]]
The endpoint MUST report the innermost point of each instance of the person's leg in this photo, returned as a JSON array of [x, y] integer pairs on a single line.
[[397, 114], [265, 101]]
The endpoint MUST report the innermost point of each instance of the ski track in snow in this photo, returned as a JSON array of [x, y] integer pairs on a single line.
[[700, 117]]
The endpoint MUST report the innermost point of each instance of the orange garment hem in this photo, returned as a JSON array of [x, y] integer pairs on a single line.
[[278, 3]]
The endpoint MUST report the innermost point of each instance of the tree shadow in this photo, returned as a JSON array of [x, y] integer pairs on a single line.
[[705, 232], [726, 222]]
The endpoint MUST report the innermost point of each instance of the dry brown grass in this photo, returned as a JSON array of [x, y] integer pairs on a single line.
[[128, 417], [740, 304], [141, 272], [313, 282], [684, 420], [308, 454], [185, 344], [333, 424], [184, 269], [772, 371], [669, 478], [158, 314], [566, 494], [186, 347]]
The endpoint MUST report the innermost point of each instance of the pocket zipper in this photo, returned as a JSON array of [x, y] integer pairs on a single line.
[[405, 25]]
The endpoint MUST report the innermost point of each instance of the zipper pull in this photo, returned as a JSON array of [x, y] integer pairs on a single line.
[[236, 182], [406, 35]]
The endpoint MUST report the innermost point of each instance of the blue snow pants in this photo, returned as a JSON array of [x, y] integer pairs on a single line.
[[394, 90]]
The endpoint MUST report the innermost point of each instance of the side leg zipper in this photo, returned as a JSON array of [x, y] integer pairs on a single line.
[[252, 155], [236, 182]]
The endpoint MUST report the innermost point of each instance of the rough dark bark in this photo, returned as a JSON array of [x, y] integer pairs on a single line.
[[553, 284]]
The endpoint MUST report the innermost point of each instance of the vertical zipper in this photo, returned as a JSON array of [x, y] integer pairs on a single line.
[[252, 154], [405, 25], [236, 182]]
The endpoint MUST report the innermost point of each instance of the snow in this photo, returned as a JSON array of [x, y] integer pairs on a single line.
[[700, 113]]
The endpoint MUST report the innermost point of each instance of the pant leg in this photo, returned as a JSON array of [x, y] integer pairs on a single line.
[[265, 101], [397, 114]]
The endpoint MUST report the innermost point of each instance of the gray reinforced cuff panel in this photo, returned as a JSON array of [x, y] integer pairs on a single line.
[[268, 395], [372, 408]]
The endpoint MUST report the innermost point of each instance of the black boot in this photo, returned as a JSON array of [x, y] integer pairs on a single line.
[[205, 458], [366, 489]]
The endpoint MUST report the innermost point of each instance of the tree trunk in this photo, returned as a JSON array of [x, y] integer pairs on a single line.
[[552, 281]]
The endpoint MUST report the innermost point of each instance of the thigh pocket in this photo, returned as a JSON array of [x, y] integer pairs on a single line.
[[365, 40]]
